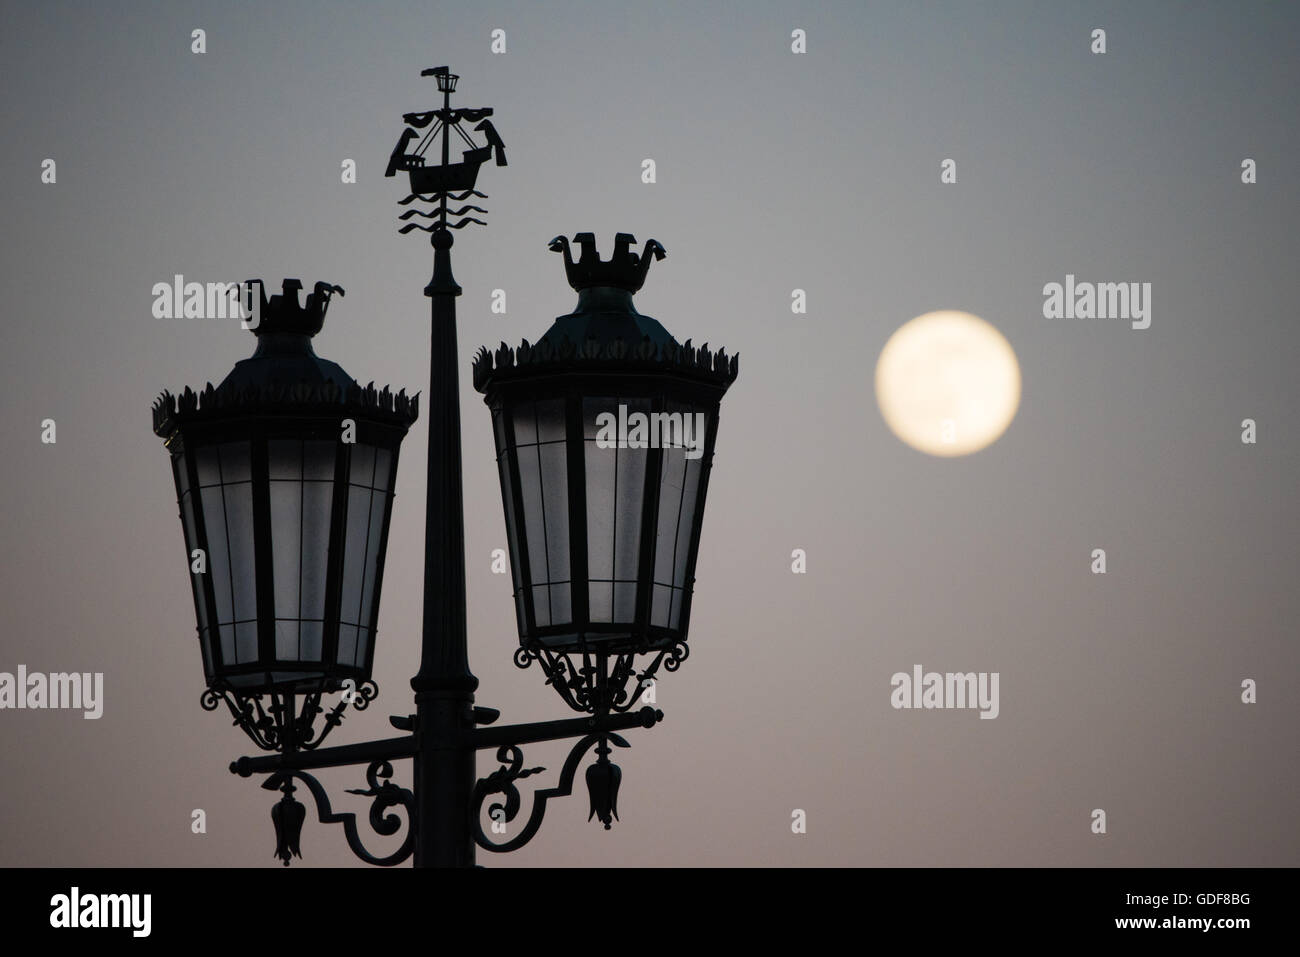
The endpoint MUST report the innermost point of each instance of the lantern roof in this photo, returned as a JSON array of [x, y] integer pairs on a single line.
[[284, 331], [284, 373], [605, 331]]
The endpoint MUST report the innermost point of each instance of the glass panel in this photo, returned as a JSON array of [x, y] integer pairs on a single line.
[[625, 601], [235, 466], [239, 525], [683, 537], [205, 462], [354, 552], [383, 459], [246, 642], [284, 458], [534, 515], [507, 494], [592, 408], [627, 523], [659, 607], [363, 646], [318, 460], [312, 640], [600, 594], [670, 506], [228, 644], [286, 640], [541, 606], [561, 604], [555, 485], [316, 504], [550, 421], [363, 465], [601, 475], [675, 619], [347, 644], [525, 419], [286, 546], [372, 558], [214, 519], [196, 581]]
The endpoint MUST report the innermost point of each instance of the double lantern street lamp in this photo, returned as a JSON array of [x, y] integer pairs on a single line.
[[604, 428]]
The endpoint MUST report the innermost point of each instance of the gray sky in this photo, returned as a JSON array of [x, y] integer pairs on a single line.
[[776, 171]]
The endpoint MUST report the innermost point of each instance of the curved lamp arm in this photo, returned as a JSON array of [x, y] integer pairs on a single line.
[[502, 781]]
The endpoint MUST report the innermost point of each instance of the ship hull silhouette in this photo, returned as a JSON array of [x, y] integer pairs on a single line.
[[452, 178]]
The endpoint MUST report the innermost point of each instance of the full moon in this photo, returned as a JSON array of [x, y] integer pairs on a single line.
[[948, 383]]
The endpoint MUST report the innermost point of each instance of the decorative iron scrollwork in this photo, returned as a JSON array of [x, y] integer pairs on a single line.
[[603, 786], [288, 818], [281, 723], [598, 682]]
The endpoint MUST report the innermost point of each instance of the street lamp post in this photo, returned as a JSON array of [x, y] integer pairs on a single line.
[[285, 474]]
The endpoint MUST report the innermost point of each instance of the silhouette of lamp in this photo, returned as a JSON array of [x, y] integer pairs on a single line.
[[284, 476], [605, 430]]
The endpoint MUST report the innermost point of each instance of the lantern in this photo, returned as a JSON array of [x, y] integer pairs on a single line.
[[284, 475], [605, 431]]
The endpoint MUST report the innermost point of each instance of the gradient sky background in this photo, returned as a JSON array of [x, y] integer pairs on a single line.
[[775, 171]]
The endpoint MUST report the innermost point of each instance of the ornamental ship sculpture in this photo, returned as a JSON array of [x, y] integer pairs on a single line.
[[449, 181]]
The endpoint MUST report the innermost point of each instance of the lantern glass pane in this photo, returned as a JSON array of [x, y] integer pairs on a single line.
[[508, 498], [207, 466], [246, 642], [682, 465], [601, 596], [550, 421], [354, 552], [529, 458], [661, 605], [318, 460], [191, 543], [286, 639], [286, 545], [317, 498], [235, 465], [629, 497], [561, 603], [525, 421], [377, 503], [214, 521], [311, 640], [347, 644], [615, 465], [239, 528], [383, 467], [602, 513], [682, 545], [555, 486], [362, 469]]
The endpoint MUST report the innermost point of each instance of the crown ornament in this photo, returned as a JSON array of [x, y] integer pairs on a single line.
[[624, 270]]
